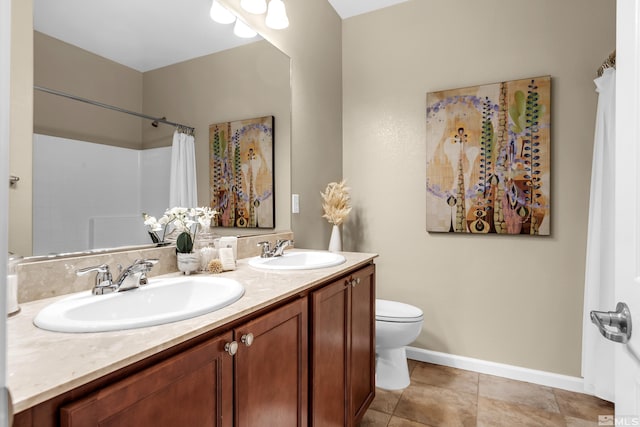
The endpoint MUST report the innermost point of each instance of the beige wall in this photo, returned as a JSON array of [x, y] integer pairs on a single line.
[[241, 83], [313, 41], [480, 295], [67, 68], [20, 235]]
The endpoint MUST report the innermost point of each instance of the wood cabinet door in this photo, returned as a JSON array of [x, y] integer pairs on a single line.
[[363, 350], [329, 355], [193, 388], [271, 368]]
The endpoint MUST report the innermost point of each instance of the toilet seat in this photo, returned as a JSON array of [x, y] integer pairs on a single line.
[[394, 311]]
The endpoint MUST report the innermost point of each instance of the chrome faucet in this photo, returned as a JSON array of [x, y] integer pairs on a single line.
[[135, 275], [130, 278], [278, 248]]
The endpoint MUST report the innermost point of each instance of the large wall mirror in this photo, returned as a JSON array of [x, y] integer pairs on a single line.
[[96, 170]]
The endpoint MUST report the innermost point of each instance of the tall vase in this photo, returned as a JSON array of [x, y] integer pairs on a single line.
[[335, 243]]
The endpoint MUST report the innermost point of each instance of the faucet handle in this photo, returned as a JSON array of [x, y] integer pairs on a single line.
[[102, 268], [266, 248], [103, 276], [149, 262], [280, 246], [148, 265]]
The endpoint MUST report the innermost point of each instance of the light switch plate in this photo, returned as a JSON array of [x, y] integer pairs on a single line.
[[295, 203]]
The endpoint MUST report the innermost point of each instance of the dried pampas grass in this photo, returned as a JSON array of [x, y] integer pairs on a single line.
[[336, 202]]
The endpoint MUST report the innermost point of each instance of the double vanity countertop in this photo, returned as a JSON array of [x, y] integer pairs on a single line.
[[44, 364]]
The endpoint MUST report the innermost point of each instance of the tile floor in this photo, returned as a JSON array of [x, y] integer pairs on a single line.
[[440, 396]]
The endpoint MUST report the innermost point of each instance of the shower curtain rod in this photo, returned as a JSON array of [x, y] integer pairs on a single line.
[[111, 107]]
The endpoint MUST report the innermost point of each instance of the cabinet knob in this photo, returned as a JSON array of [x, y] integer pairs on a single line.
[[353, 282], [247, 339], [231, 347]]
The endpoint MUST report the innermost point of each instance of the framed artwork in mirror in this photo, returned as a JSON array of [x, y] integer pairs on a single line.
[[488, 158], [241, 174]]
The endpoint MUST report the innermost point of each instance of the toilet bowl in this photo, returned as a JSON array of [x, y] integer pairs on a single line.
[[397, 325]]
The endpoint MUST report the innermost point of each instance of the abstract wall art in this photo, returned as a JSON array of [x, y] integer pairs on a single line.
[[488, 158], [241, 180]]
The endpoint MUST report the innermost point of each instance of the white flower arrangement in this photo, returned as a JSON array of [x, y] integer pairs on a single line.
[[184, 220]]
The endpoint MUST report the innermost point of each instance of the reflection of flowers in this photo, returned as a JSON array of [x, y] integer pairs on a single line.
[[336, 202], [154, 227], [184, 220]]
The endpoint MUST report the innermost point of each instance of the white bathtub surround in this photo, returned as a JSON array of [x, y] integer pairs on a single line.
[[87, 195]]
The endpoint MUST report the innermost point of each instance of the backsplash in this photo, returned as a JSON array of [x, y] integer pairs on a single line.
[[49, 278]]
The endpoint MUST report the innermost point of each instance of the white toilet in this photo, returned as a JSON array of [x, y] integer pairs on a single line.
[[397, 325]]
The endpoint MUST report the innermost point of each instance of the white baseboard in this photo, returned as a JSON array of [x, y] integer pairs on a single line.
[[548, 379]]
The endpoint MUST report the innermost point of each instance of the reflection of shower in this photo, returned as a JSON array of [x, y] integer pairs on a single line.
[[156, 121]]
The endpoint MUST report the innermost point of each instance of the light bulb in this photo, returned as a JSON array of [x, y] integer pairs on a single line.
[[241, 29], [254, 6], [277, 15], [221, 14]]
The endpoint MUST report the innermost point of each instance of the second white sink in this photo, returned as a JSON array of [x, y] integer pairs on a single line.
[[161, 301], [303, 260]]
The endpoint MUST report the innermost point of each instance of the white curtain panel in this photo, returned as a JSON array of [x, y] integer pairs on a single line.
[[183, 191], [598, 352]]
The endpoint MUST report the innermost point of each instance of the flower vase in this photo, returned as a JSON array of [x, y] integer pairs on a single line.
[[188, 262], [335, 243]]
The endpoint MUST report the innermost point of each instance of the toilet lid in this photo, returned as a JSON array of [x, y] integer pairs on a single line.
[[394, 311]]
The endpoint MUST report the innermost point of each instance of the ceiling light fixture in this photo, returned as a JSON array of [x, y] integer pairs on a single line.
[[221, 14], [241, 29], [276, 18], [277, 15], [254, 6]]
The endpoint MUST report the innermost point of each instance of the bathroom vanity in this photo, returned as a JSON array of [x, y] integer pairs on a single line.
[[297, 349]]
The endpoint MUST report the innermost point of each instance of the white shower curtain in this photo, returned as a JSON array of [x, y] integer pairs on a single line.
[[597, 352], [182, 186]]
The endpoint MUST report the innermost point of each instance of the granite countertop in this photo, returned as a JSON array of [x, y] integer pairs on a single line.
[[44, 364]]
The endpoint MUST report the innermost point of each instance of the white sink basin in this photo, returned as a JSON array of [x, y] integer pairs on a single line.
[[306, 260], [161, 301]]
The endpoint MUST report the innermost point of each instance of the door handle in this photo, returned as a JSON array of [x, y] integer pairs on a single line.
[[619, 319]]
